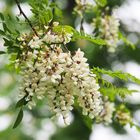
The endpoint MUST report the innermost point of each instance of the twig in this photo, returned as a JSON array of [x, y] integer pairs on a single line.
[[21, 12]]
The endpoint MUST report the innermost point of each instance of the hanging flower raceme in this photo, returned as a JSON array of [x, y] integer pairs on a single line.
[[123, 115], [107, 113], [49, 72], [81, 6], [89, 97], [108, 27]]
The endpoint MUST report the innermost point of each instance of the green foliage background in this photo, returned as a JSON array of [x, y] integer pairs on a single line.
[[81, 127]]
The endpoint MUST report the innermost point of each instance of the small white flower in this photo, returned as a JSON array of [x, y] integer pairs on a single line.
[[55, 23], [107, 112], [35, 42]]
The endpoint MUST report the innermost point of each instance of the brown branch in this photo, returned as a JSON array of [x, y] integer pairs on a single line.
[[21, 12]]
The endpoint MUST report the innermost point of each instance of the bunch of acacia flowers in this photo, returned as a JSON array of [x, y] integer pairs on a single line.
[[81, 6], [123, 115], [47, 71], [107, 113], [108, 27]]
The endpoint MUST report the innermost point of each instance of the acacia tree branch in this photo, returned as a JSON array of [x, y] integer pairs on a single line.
[[29, 22]]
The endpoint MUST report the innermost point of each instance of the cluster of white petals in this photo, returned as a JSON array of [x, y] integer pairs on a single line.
[[89, 97], [107, 113], [81, 6], [123, 116], [49, 72], [82, 2], [108, 29], [49, 38]]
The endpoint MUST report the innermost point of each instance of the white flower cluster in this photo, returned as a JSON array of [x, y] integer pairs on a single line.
[[107, 113], [89, 97], [108, 29], [82, 2], [48, 72], [50, 38], [81, 6], [123, 116]]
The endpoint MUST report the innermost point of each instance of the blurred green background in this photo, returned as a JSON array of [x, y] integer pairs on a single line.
[[36, 124]]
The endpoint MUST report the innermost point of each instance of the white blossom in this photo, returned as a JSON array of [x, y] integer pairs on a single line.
[[108, 30], [107, 112], [81, 6], [123, 115], [35, 42], [49, 72], [89, 97]]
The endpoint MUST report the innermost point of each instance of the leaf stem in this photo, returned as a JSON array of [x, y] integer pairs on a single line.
[[21, 12]]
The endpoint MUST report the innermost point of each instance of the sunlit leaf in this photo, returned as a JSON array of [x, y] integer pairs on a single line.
[[101, 2], [118, 74], [78, 35]]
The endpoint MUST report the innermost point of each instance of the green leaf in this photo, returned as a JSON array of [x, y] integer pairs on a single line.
[[2, 33], [63, 29], [21, 102], [88, 122], [48, 16], [13, 57], [41, 11], [101, 3], [19, 118], [1, 16], [44, 16], [7, 42], [118, 74], [58, 15], [132, 124], [2, 52], [126, 41], [112, 92], [81, 35], [6, 29], [45, 2], [137, 127]]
